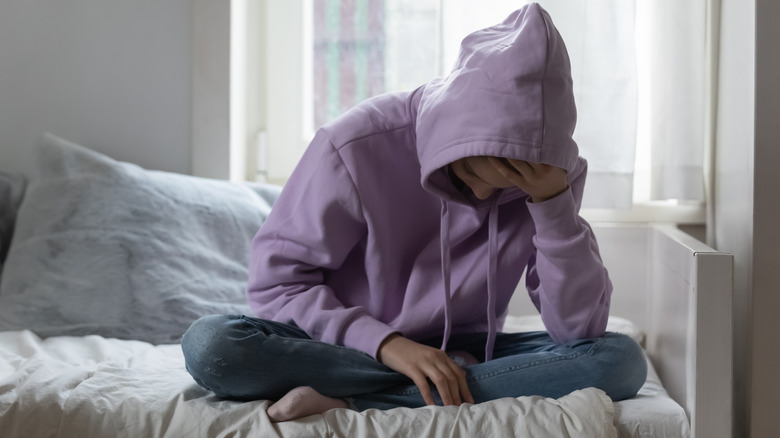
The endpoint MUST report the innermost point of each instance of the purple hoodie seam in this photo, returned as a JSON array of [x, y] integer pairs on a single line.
[[413, 110], [507, 140], [351, 177], [544, 73], [349, 142]]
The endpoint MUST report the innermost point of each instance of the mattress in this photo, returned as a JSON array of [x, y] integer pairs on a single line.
[[94, 386]]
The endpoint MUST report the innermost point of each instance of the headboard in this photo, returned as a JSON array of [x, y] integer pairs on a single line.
[[678, 290], [690, 327]]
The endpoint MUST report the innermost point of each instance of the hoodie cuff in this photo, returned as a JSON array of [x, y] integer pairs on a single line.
[[367, 334], [556, 218]]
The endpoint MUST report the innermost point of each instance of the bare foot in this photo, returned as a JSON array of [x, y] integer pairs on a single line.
[[301, 402]]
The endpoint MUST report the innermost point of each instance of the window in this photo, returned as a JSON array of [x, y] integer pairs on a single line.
[[349, 46], [324, 56]]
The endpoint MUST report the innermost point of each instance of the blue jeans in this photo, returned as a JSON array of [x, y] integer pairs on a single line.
[[244, 358]]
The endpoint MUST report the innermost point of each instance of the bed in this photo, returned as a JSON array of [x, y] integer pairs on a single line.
[[105, 264]]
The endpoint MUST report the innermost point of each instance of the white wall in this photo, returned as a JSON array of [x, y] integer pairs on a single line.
[[747, 211], [113, 75], [210, 101]]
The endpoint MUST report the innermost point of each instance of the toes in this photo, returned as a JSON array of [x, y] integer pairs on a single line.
[[301, 402]]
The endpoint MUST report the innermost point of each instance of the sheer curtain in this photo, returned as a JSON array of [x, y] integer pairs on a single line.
[[673, 36], [639, 71]]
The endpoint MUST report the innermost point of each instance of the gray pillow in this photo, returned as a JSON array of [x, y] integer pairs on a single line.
[[11, 191], [108, 248]]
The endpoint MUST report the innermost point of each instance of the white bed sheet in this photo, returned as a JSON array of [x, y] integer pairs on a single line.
[[652, 413], [93, 386]]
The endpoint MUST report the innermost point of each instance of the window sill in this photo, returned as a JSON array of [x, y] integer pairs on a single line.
[[679, 212]]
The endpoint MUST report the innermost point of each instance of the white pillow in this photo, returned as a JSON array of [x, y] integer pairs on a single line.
[[108, 248], [11, 191]]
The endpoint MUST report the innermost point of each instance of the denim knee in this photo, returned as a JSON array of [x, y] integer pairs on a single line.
[[208, 352], [622, 367]]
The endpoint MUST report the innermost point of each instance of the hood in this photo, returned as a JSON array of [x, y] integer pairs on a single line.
[[509, 95]]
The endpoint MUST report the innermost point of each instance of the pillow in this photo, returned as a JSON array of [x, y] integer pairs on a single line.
[[11, 191], [108, 248]]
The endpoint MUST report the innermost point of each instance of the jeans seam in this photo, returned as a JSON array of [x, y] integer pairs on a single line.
[[599, 342], [483, 376], [596, 345]]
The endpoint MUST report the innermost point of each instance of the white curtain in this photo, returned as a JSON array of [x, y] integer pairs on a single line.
[[674, 38], [640, 71], [600, 36], [639, 80]]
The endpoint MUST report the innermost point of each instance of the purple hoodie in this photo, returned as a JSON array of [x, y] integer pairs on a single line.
[[371, 237]]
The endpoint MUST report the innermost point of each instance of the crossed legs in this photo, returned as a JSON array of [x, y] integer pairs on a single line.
[[246, 358]]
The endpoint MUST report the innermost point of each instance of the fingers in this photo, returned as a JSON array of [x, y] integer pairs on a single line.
[[421, 363], [459, 388], [524, 167], [510, 166], [448, 389], [441, 374], [539, 181], [512, 170], [451, 382], [463, 386], [448, 378], [425, 390], [515, 165]]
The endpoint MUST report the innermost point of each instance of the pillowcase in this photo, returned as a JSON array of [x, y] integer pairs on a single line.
[[11, 191], [108, 248]]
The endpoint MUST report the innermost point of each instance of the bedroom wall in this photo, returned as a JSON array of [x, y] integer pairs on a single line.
[[764, 392], [113, 75], [746, 203]]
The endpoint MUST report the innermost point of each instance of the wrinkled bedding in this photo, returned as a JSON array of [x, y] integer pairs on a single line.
[[67, 386], [93, 386]]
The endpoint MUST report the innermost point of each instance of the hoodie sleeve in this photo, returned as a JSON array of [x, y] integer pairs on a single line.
[[314, 225], [566, 278]]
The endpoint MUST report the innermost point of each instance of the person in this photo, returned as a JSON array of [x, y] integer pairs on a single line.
[[384, 271]]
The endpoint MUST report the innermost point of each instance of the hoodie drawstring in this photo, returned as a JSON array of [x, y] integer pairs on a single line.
[[491, 280], [492, 277], [445, 271]]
